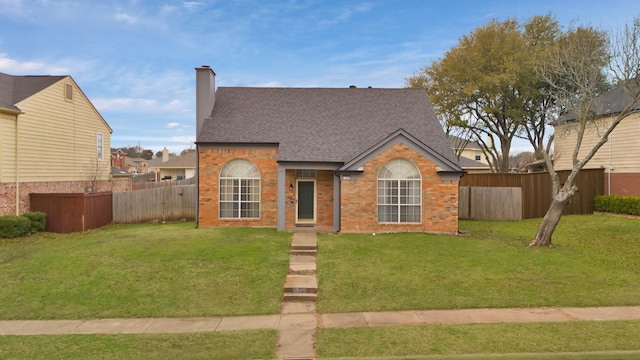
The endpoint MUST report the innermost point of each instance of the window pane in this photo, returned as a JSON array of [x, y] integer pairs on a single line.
[[409, 213], [228, 210], [250, 210], [387, 213]]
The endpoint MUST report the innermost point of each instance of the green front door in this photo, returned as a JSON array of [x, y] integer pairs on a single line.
[[306, 201]]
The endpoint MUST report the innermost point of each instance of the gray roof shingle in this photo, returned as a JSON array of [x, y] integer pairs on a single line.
[[14, 89], [612, 102], [322, 124], [186, 161]]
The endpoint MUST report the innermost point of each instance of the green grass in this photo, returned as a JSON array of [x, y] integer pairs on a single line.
[[254, 344], [510, 338], [171, 270], [594, 263]]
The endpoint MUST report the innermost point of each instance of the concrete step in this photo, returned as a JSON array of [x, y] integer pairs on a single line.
[[304, 242], [304, 252], [302, 269], [299, 297], [301, 284], [304, 247]]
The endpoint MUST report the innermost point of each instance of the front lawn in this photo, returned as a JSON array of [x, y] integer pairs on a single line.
[[134, 271], [594, 263]]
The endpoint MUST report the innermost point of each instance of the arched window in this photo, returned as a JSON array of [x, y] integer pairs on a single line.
[[399, 193], [239, 190]]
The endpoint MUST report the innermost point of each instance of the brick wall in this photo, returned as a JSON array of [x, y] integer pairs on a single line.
[[8, 193], [359, 197], [626, 184], [211, 162]]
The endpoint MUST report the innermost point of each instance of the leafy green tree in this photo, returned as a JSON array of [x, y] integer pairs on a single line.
[[146, 154], [488, 85]]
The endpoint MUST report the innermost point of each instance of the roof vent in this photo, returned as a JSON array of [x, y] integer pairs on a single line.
[[352, 86]]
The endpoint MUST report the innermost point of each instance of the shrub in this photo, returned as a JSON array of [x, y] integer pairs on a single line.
[[38, 220], [629, 205], [13, 226]]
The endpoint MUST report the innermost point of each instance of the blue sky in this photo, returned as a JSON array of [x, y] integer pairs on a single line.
[[135, 59]]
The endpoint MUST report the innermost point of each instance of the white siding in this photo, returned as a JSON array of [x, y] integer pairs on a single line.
[[622, 151], [57, 137]]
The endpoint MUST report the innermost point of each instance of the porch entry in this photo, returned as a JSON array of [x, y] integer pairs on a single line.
[[305, 201]]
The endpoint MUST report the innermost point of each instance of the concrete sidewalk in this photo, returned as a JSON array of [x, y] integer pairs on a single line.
[[336, 320]]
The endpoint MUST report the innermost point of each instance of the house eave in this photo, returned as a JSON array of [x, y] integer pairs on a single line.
[[13, 111]]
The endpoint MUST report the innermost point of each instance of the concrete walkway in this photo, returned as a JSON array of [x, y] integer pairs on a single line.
[[293, 321], [298, 320]]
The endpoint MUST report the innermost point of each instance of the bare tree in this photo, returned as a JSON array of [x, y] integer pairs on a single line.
[[95, 173], [576, 71]]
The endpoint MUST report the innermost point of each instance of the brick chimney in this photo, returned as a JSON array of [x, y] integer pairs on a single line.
[[205, 95], [165, 155]]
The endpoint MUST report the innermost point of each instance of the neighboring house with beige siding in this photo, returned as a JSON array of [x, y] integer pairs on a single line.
[[470, 154], [52, 139], [620, 156], [176, 168]]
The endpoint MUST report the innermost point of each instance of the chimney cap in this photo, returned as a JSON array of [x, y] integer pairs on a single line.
[[205, 66]]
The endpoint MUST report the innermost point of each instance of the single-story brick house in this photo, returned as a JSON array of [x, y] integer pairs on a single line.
[[336, 159]]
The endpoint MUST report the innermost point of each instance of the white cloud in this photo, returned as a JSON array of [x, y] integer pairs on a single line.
[[168, 9], [17, 67], [173, 125], [346, 13], [122, 17], [191, 5]]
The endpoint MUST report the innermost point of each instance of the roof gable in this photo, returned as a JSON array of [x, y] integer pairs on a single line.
[[322, 124], [14, 89], [400, 136]]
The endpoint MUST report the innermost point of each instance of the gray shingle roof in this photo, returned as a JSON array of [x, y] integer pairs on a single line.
[[470, 163], [186, 161], [458, 142], [612, 101], [14, 89], [322, 124]]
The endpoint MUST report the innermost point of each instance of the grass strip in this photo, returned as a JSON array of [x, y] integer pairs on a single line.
[[482, 339], [253, 344]]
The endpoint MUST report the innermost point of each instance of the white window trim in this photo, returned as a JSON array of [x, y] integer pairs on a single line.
[[100, 146], [239, 201], [398, 204]]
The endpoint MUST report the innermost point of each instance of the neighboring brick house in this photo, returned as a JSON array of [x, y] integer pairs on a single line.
[[52, 139], [349, 159], [620, 156], [118, 160]]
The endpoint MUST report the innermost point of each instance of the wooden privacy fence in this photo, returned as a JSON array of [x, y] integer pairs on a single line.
[[536, 189], [73, 212], [163, 183], [490, 203], [170, 203]]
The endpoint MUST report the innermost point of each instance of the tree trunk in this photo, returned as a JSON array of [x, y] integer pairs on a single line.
[[552, 217]]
